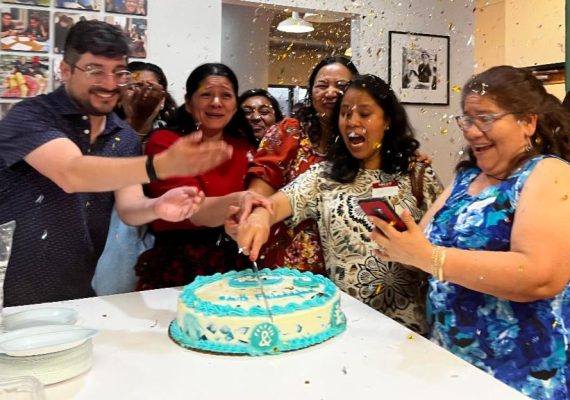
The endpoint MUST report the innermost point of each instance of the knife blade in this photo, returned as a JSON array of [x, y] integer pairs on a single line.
[[256, 270]]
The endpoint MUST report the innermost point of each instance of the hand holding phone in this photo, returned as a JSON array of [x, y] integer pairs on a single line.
[[382, 209]]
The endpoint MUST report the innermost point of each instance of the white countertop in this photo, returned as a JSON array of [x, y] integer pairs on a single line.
[[376, 358]]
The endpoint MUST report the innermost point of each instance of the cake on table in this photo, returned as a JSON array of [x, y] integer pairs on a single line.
[[226, 313]]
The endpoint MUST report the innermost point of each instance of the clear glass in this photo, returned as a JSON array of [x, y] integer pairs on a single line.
[[21, 388], [6, 235]]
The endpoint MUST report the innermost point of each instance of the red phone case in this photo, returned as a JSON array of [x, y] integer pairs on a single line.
[[382, 209]]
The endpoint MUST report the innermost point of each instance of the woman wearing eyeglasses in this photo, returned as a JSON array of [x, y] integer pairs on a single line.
[[496, 241], [261, 110]]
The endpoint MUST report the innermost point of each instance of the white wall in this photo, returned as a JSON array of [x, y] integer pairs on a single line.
[[245, 47], [182, 35]]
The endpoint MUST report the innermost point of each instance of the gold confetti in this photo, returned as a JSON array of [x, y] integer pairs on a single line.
[[411, 337], [378, 290], [444, 131], [555, 324], [456, 88]]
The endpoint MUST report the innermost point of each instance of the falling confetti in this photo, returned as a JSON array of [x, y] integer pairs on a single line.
[[456, 88]]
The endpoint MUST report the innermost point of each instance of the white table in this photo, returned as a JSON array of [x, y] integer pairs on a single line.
[[376, 358]]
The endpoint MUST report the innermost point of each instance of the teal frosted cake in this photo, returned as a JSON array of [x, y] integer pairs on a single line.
[[226, 313]]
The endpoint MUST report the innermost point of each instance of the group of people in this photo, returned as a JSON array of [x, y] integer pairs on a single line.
[[481, 267]]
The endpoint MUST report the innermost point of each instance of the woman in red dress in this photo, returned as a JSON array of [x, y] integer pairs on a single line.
[[199, 247]]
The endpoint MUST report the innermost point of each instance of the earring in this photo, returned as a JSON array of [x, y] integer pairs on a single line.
[[528, 145]]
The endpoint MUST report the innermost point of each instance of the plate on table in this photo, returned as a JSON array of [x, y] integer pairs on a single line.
[[43, 339], [40, 316]]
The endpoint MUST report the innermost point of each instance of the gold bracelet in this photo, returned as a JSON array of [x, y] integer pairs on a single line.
[[437, 260]]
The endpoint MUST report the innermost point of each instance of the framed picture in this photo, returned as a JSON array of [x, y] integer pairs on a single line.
[[80, 5], [132, 7], [25, 29], [40, 3], [136, 31], [62, 23], [23, 76], [418, 67]]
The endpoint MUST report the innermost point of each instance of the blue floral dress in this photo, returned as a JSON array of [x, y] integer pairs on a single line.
[[524, 345]]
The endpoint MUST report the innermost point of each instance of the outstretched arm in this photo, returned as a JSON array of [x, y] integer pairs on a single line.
[[61, 161], [175, 205], [254, 231]]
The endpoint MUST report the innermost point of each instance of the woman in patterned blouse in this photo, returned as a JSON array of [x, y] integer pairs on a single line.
[[496, 241], [375, 147]]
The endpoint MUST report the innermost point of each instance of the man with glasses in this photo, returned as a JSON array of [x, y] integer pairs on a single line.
[[66, 158]]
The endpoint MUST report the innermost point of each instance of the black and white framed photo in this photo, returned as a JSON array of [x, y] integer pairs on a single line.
[[418, 67]]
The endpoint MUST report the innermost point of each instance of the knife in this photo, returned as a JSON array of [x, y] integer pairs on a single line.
[[257, 275], [256, 270]]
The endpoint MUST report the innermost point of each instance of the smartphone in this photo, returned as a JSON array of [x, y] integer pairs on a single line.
[[382, 209]]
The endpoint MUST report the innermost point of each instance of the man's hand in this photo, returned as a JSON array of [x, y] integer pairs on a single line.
[[190, 156], [178, 204]]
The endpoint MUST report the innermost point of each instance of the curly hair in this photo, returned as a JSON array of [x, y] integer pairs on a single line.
[[307, 115], [519, 92], [398, 144]]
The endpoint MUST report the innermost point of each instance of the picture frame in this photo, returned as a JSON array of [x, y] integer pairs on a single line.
[[418, 67], [23, 75], [79, 5], [136, 31], [28, 30], [129, 7]]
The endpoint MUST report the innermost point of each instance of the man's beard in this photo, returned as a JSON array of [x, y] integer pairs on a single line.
[[88, 108]]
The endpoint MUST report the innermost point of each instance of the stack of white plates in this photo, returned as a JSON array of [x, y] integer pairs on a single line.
[[43, 343]]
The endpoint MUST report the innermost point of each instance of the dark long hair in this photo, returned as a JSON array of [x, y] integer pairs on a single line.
[[307, 115], [238, 125], [263, 93], [517, 91], [398, 145]]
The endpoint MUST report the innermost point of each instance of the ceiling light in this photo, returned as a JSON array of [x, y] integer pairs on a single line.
[[321, 18], [295, 24]]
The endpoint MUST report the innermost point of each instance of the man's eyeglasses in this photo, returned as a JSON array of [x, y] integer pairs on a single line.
[[483, 122], [97, 76]]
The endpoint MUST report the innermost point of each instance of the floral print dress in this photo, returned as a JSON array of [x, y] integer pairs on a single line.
[[284, 153], [389, 287], [524, 345]]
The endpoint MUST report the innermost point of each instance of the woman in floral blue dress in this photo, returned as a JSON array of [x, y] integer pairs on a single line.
[[496, 241]]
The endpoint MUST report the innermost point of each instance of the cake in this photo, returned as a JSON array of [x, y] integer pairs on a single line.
[[226, 313]]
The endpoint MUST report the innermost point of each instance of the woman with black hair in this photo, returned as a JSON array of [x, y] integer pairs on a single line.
[[372, 156], [145, 102], [198, 246], [289, 149], [261, 109]]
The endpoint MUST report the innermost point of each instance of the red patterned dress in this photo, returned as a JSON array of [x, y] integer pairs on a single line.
[[285, 152]]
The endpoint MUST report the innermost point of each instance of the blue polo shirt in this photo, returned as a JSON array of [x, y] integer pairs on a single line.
[[59, 236]]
